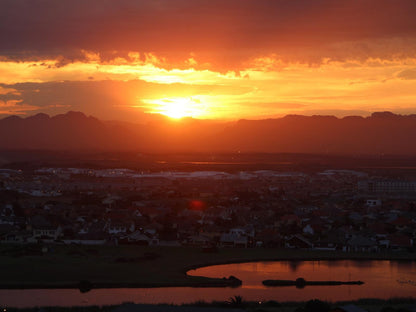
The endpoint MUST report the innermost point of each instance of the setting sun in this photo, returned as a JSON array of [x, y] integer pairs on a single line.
[[177, 107]]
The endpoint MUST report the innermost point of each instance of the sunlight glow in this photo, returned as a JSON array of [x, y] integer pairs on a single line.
[[177, 107], [265, 87]]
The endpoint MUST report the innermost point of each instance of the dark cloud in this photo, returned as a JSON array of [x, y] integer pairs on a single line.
[[215, 29], [408, 74], [104, 99], [8, 94], [277, 105], [335, 112], [9, 97]]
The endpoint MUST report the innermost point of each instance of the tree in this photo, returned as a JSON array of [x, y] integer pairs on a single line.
[[317, 306]]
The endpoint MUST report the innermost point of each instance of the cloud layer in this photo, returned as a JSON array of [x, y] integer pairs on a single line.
[[216, 30]]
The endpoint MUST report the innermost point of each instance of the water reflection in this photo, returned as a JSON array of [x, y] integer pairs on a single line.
[[362, 264], [383, 279], [293, 265], [335, 263]]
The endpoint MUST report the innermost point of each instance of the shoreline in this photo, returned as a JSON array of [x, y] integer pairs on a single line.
[[405, 257], [217, 283], [169, 273]]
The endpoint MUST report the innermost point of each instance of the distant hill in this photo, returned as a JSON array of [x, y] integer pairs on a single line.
[[72, 130], [381, 133]]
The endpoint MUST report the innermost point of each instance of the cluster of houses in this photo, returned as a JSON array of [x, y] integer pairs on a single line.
[[264, 209]]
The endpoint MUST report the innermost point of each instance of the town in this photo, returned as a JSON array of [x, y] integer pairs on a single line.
[[344, 210]]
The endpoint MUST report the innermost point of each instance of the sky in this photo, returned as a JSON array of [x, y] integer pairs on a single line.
[[209, 59]]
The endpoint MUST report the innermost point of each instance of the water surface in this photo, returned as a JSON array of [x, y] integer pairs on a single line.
[[383, 279]]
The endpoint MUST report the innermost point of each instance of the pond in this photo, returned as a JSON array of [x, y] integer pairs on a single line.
[[382, 279]]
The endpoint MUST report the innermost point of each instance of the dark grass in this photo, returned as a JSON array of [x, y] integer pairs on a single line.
[[271, 305]]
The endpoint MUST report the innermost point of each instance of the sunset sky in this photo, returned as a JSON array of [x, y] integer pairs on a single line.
[[208, 59]]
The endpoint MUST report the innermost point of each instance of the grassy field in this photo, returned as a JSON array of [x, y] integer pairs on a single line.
[[25, 266], [370, 305]]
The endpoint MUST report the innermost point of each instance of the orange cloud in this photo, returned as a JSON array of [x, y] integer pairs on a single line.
[[15, 107], [266, 86]]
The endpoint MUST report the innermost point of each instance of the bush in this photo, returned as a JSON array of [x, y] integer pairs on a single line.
[[300, 282], [272, 303], [84, 286], [236, 301], [317, 306]]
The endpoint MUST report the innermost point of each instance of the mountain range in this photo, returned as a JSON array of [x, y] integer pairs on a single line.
[[380, 133]]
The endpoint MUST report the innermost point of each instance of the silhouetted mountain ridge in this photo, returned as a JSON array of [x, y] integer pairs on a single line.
[[382, 132], [73, 130]]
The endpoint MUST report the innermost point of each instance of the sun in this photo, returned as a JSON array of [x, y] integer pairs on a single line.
[[177, 107]]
